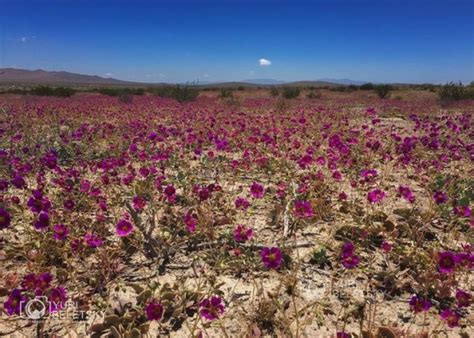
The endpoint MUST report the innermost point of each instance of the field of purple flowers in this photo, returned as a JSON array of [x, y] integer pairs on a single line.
[[335, 217]]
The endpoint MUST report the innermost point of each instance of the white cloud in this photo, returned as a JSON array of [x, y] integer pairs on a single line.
[[264, 62], [206, 75], [23, 39], [109, 74]]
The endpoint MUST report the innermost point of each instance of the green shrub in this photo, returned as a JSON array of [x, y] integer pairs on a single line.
[[314, 95], [125, 98], [455, 91], [274, 91], [185, 93], [226, 93], [367, 86], [383, 91], [291, 92], [52, 91], [118, 91], [181, 93]]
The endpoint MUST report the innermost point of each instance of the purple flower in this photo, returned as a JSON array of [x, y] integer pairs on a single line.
[[440, 197], [368, 174], [211, 308], [69, 204], [38, 202], [241, 203], [60, 232], [463, 298], [190, 221], [446, 262], [3, 185], [50, 160], [42, 222], [14, 302], [138, 202], [271, 257], [170, 193], [257, 190], [242, 233], [57, 298], [375, 196], [18, 182], [92, 240], [123, 228], [406, 193], [154, 310], [5, 219], [450, 317], [29, 282], [303, 209], [418, 304], [350, 262], [305, 161], [386, 246], [43, 281], [342, 334], [348, 257]]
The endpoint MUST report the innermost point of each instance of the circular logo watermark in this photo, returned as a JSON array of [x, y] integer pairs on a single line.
[[35, 309]]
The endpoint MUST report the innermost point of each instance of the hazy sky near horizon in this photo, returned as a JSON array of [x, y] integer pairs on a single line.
[[177, 41]]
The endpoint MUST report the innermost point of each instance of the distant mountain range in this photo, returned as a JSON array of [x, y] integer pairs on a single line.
[[39, 76], [15, 76]]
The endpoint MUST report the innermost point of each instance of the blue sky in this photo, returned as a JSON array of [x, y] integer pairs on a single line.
[[176, 41]]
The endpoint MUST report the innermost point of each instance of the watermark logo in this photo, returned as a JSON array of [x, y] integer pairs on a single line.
[[41, 308]]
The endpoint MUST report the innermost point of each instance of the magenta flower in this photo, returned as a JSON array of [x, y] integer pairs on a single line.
[[440, 197], [50, 160], [447, 262], [350, 262], [342, 334], [348, 257], [418, 304], [170, 193], [92, 240], [305, 161], [38, 202], [242, 233], [462, 211], [29, 282], [18, 182], [123, 228], [191, 221], [60, 232], [42, 222], [386, 246], [211, 308], [57, 298], [3, 185], [43, 281], [5, 218], [138, 202], [14, 302], [241, 203], [463, 298], [69, 204], [303, 209], [342, 196], [271, 257], [375, 196], [368, 174], [450, 317], [406, 193], [154, 310], [257, 190]]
